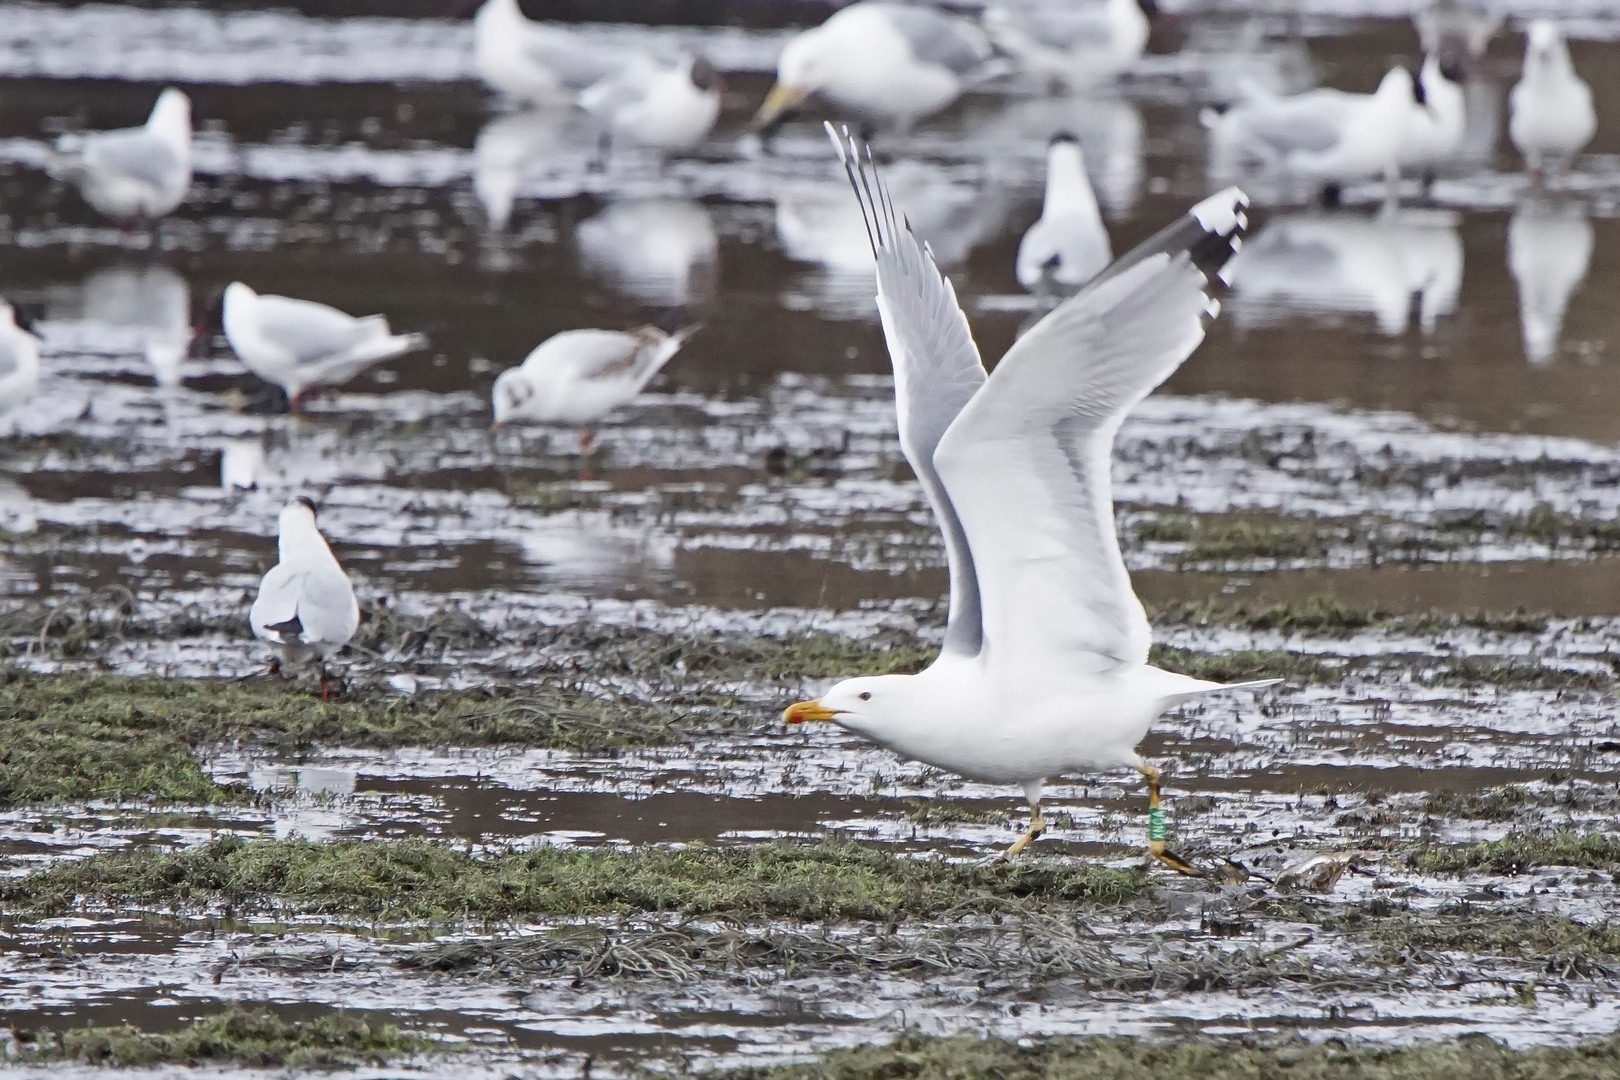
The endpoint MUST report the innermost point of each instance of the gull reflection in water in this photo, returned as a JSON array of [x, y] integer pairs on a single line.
[[509, 150], [119, 310], [1400, 266], [1549, 248], [662, 252]]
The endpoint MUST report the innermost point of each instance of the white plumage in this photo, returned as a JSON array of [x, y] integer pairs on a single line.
[[534, 62], [302, 346], [1551, 115], [666, 107], [1044, 667], [1075, 46], [133, 173], [19, 361], [578, 376], [662, 252], [893, 63], [305, 603], [1435, 125], [1549, 249], [1068, 246]]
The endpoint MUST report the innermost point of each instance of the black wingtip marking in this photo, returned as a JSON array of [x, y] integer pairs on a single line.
[[877, 205], [290, 630], [1209, 241]]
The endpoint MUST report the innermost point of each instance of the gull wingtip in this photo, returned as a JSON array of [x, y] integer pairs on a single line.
[[1223, 212]]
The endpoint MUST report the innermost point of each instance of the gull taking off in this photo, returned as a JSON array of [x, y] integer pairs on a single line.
[[890, 63], [1068, 246], [1073, 47], [302, 346], [1044, 667], [132, 174], [579, 376], [1552, 117], [305, 603]]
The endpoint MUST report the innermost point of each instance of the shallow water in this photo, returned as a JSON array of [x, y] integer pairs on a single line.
[[1371, 368]]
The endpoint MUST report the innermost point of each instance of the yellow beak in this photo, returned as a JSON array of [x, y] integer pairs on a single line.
[[801, 711], [781, 98]]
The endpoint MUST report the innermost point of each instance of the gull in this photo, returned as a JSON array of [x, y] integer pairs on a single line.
[[1551, 115], [1325, 134], [1456, 30], [533, 62], [1043, 670], [1435, 124], [305, 603], [667, 107], [885, 62], [1077, 48], [1068, 246], [578, 376], [302, 346], [662, 252], [1549, 248], [19, 360], [133, 174]]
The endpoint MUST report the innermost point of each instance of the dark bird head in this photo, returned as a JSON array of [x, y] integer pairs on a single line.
[[704, 76], [1062, 137], [26, 316], [305, 500]]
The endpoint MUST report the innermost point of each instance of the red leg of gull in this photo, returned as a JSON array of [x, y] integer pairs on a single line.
[[586, 438]]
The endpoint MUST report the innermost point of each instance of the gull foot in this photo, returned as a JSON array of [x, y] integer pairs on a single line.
[[1036, 828]]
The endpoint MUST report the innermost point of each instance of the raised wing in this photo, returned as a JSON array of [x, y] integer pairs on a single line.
[[936, 368], [1027, 463], [313, 332]]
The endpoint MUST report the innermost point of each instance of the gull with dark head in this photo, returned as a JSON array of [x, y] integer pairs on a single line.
[[1044, 670], [132, 174], [1068, 246], [305, 603], [302, 346]]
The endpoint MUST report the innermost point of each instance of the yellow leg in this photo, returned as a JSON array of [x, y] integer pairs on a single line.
[[1156, 844], [1036, 827]]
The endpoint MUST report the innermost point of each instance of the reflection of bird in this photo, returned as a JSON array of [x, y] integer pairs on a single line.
[[891, 63], [1549, 247], [1551, 106], [132, 173], [506, 148], [19, 360], [1325, 134], [1044, 667], [302, 346], [1434, 126], [534, 62], [1456, 30], [1075, 47], [1068, 246], [662, 252], [1395, 265], [305, 603], [578, 376], [242, 465], [668, 108], [145, 309]]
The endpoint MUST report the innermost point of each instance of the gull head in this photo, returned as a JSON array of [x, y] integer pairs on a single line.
[[299, 513], [1544, 37], [704, 76], [513, 397], [865, 706], [798, 75]]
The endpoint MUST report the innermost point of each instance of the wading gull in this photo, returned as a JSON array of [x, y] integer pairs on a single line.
[[1072, 45], [137, 174], [305, 603], [1044, 667], [1068, 246], [1551, 107], [667, 107], [302, 346]]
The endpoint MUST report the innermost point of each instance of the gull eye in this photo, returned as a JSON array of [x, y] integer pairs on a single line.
[[866, 695]]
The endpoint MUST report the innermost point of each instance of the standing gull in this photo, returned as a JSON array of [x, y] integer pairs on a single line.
[[533, 62], [1551, 107], [1077, 47], [305, 603], [890, 63], [19, 360], [1068, 246], [667, 107], [137, 174], [579, 376], [302, 346], [1044, 667]]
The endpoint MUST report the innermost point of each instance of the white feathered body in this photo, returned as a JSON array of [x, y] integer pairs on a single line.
[[534, 62], [1069, 245], [579, 376], [1434, 130], [1552, 117], [1325, 133], [131, 173], [655, 105], [19, 361], [299, 344], [305, 603], [1077, 48]]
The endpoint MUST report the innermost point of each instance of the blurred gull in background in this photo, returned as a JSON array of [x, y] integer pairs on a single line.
[[1070, 45], [579, 376], [305, 603], [884, 62], [667, 107], [1111, 134], [661, 252], [138, 174], [535, 62], [507, 149], [1549, 248], [1552, 117], [1456, 31], [302, 346], [1434, 128], [19, 360], [1068, 246]]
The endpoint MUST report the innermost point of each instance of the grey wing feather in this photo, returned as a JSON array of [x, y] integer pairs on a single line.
[[136, 153], [576, 62], [311, 331], [937, 369], [1312, 121], [941, 39], [1028, 461]]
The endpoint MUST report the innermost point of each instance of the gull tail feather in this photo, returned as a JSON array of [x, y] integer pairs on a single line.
[[1200, 687]]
